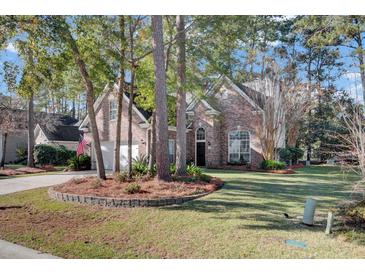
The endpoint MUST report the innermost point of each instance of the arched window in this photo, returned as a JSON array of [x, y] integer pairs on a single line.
[[200, 134], [239, 148]]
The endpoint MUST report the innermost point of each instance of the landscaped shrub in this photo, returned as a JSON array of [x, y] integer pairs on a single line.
[[45, 154], [297, 153], [291, 154], [51, 155], [285, 154], [121, 177], [82, 162], [205, 178], [63, 155], [140, 166], [21, 153], [272, 165], [139, 169], [132, 188], [193, 170], [172, 168]]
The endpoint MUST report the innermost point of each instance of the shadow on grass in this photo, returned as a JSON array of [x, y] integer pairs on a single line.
[[266, 197]]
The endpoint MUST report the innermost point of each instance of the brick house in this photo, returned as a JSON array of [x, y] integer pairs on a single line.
[[221, 130]]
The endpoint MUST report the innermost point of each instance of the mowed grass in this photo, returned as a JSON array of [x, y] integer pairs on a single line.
[[245, 219]]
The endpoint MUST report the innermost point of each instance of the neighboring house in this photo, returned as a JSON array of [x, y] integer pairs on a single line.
[[19, 139], [60, 135], [222, 127]]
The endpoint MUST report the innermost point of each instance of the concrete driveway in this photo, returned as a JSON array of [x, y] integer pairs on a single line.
[[14, 251], [24, 183]]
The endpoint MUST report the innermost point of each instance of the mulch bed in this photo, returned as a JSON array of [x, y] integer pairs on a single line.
[[280, 171], [10, 172], [31, 170], [151, 188], [22, 170]]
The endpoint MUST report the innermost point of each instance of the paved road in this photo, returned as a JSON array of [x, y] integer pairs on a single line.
[[25, 183], [13, 251]]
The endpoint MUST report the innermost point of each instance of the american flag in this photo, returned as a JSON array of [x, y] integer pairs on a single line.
[[81, 146]]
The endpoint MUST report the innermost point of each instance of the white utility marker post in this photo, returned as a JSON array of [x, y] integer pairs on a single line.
[[329, 222], [309, 209]]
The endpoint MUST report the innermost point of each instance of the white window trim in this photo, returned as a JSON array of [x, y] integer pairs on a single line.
[[199, 141], [249, 143], [110, 110], [205, 135]]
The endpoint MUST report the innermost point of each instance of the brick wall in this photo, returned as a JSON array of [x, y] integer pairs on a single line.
[[107, 128], [235, 113]]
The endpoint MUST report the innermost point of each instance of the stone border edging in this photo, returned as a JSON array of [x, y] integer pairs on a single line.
[[119, 202]]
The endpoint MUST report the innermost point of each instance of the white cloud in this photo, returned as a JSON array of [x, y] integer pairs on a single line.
[[11, 48]]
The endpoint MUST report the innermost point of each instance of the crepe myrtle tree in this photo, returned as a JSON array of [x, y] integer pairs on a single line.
[[270, 110]]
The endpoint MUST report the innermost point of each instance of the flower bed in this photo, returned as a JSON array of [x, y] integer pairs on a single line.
[[110, 193]]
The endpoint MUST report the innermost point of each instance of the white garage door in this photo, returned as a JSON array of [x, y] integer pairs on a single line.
[[107, 149]]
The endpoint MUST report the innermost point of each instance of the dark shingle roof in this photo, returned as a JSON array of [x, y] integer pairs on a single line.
[[62, 133]]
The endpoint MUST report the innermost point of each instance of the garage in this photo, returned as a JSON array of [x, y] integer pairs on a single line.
[[107, 149]]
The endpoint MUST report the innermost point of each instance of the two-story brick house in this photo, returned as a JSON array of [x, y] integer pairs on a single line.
[[222, 127]]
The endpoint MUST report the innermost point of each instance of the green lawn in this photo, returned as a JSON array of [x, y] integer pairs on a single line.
[[243, 220]]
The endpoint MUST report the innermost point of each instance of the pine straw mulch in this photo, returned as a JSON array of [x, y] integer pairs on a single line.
[[26, 170], [149, 188]]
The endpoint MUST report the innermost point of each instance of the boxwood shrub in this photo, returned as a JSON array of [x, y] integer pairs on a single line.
[[52, 155], [272, 165]]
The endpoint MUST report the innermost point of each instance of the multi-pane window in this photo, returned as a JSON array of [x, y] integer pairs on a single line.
[[239, 146], [200, 134], [113, 110], [171, 150]]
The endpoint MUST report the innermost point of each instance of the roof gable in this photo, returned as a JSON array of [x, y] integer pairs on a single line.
[[144, 115], [223, 80], [60, 133]]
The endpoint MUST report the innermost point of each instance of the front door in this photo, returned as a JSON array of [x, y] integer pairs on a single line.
[[200, 153]]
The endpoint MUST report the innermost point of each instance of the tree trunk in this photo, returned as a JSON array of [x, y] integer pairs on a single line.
[[30, 130], [131, 91], [2, 162], [73, 111], [89, 104], [130, 134], [181, 98], [116, 167], [360, 57], [152, 156], [162, 159]]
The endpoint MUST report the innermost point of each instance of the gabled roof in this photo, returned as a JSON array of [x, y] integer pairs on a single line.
[[209, 92], [144, 115], [60, 133]]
